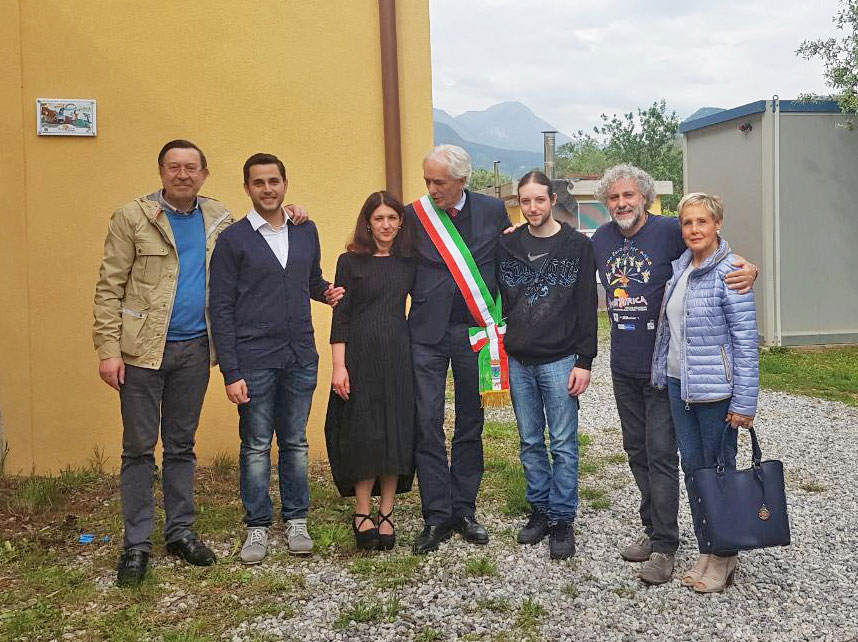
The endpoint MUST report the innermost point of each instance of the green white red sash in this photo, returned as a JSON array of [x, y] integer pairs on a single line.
[[486, 340]]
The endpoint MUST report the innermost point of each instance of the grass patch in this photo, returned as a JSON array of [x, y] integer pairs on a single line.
[[570, 590], [368, 612], [623, 591], [481, 566], [427, 634], [224, 466], [592, 493], [616, 458], [37, 494], [830, 373], [603, 503], [387, 572], [219, 519], [529, 614]]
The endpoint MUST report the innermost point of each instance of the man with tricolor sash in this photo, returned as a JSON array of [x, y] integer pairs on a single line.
[[455, 321]]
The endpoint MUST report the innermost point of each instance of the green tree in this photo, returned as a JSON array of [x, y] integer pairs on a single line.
[[584, 155], [648, 140], [840, 57], [482, 178]]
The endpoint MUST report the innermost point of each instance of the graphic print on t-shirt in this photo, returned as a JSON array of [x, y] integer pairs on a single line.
[[554, 273], [627, 269]]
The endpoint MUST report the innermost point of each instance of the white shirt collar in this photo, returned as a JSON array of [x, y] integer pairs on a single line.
[[461, 204], [256, 221]]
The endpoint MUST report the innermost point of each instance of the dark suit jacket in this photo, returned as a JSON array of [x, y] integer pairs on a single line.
[[434, 287]]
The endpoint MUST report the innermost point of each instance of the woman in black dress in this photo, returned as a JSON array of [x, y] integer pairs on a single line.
[[369, 427]]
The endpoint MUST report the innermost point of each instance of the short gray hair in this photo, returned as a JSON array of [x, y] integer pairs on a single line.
[[456, 159], [621, 172], [711, 203]]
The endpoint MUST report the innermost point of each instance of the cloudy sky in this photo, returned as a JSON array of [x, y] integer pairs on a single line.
[[570, 61]]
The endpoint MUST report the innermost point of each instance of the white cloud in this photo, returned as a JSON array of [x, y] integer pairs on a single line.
[[571, 61]]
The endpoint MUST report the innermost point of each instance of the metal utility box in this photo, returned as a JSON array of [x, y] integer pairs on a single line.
[[788, 173]]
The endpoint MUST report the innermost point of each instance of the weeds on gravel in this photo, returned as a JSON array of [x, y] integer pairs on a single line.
[[481, 566], [427, 634], [368, 612], [495, 605], [623, 591], [387, 572], [529, 615], [812, 487], [570, 590]]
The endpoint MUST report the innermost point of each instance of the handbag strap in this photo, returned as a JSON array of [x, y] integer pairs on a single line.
[[756, 453]]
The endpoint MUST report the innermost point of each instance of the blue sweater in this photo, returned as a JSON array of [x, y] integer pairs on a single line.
[[260, 312]]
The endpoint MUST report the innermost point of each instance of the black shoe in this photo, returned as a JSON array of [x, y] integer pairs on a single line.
[[471, 530], [365, 540], [431, 538], [386, 542], [561, 541], [535, 530], [132, 567], [193, 550]]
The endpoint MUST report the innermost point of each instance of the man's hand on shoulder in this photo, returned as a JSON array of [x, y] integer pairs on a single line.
[[112, 372], [297, 214], [742, 280], [513, 228]]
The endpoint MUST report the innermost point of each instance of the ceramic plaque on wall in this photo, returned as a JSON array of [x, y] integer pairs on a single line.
[[65, 117]]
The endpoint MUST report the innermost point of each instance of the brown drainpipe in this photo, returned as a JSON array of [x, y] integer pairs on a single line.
[[390, 97]]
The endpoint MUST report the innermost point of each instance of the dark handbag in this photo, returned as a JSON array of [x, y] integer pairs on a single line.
[[742, 509]]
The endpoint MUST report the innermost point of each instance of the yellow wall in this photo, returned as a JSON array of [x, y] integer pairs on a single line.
[[298, 79]]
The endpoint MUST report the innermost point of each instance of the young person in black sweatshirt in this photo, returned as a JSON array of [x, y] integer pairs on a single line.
[[546, 273]]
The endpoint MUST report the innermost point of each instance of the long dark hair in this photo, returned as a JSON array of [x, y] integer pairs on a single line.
[[539, 178], [362, 241]]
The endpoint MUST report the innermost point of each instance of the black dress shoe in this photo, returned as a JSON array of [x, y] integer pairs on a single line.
[[431, 538], [132, 567], [193, 550], [471, 530]]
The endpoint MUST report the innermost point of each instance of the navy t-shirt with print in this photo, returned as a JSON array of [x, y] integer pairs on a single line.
[[633, 272]]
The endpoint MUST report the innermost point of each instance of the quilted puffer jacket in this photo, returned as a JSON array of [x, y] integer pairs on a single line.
[[719, 356]]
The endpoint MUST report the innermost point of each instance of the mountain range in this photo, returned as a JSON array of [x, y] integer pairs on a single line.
[[509, 132]]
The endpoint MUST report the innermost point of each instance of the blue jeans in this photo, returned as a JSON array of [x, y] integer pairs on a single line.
[[540, 392], [279, 404], [698, 435]]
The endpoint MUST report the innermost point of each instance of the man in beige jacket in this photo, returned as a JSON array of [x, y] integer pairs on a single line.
[[151, 332]]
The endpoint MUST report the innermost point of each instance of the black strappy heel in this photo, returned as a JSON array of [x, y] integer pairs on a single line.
[[365, 540], [386, 542]]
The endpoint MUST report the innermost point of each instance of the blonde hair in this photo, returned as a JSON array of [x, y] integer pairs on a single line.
[[713, 204]]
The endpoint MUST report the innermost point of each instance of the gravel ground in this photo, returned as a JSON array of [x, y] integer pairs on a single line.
[[807, 591]]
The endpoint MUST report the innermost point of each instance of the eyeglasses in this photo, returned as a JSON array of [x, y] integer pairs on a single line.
[[175, 168]]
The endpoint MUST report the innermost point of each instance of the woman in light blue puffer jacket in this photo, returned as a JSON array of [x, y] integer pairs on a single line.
[[706, 354]]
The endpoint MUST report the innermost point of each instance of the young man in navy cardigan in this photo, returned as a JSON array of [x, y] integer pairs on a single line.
[[264, 271]]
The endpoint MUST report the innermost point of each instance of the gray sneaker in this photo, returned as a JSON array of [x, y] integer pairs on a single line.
[[658, 569], [298, 537], [638, 551], [255, 546]]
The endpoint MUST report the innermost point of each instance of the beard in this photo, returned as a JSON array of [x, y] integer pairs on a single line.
[[629, 223]]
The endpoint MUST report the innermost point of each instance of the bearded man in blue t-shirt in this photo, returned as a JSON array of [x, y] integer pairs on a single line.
[[633, 255]]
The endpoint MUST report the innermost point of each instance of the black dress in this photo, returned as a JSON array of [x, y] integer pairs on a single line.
[[372, 433]]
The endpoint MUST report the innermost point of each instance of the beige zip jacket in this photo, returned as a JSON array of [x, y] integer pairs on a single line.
[[137, 280]]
